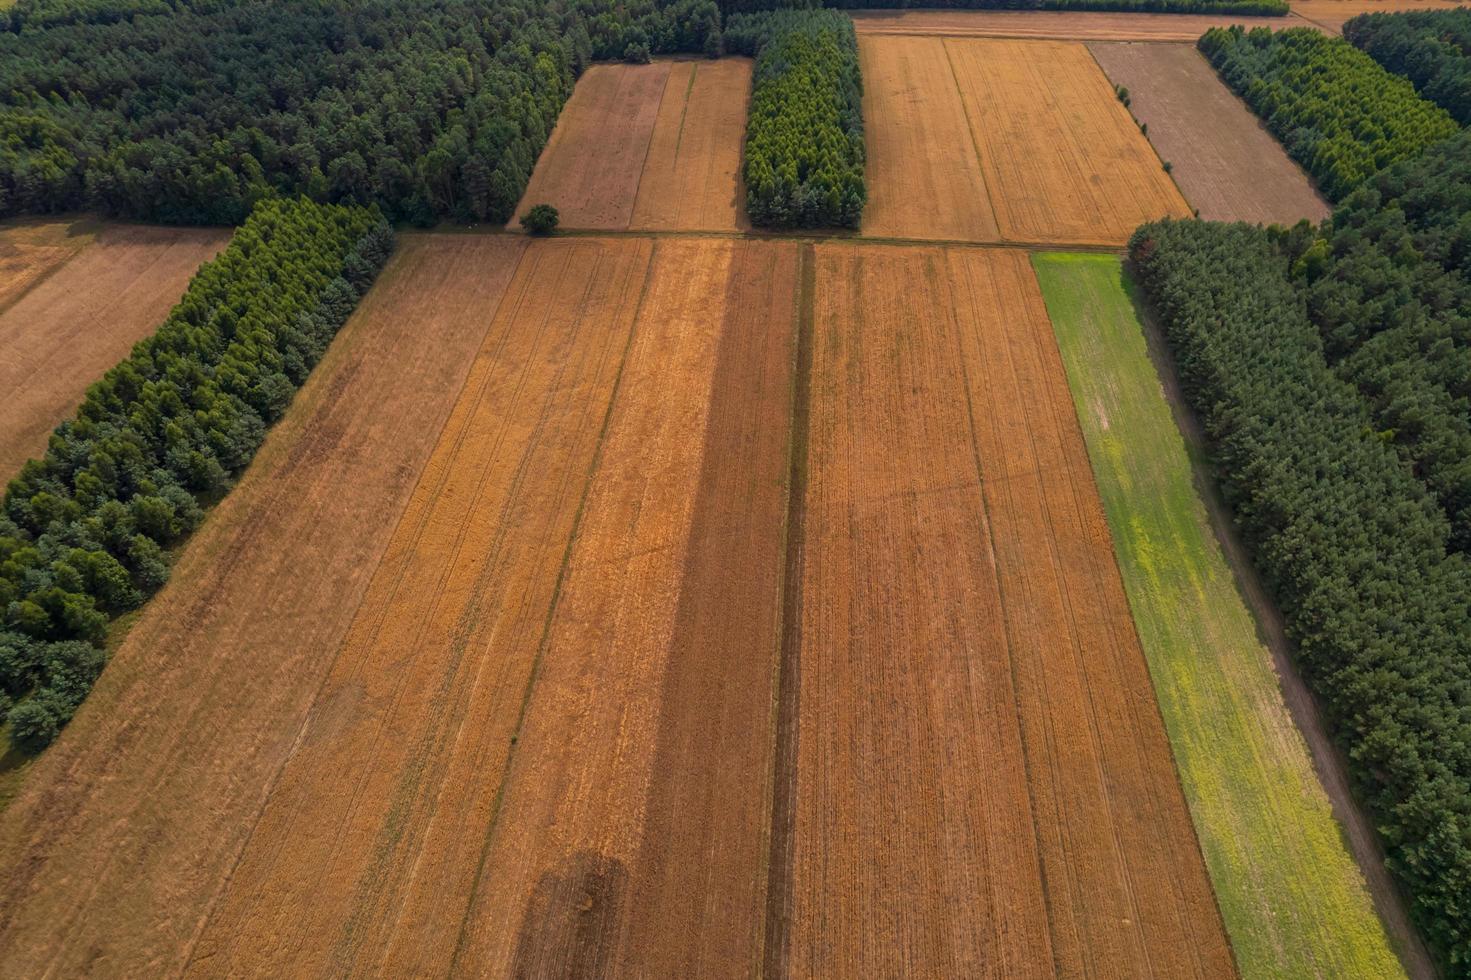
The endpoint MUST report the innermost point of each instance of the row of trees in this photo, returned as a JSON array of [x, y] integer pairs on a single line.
[[83, 530], [1262, 8], [804, 135], [1353, 546], [427, 108], [1432, 48], [1388, 284], [1338, 113]]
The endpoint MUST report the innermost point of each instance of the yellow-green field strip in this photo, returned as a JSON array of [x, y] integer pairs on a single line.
[[1294, 902]]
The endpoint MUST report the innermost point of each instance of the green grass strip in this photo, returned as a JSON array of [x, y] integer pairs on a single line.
[[1294, 901]]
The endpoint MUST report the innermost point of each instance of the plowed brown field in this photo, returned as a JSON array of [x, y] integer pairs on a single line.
[[127, 827], [981, 783], [1061, 25], [924, 176], [367, 850], [649, 147], [1224, 159], [633, 833], [1331, 14], [691, 180], [590, 168], [84, 309], [1063, 160]]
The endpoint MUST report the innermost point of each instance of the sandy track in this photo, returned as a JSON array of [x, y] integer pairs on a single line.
[[924, 177], [1062, 159], [589, 170], [982, 785], [69, 327], [365, 856], [632, 834], [1060, 24], [691, 180], [1226, 162], [1331, 14], [126, 828]]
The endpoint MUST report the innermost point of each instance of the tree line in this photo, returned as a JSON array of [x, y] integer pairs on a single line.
[[84, 529], [1354, 547], [428, 108], [1428, 47], [804, 134], [1248, 8], [1337, 112]]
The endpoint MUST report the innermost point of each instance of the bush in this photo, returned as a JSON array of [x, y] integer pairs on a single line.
[[542, 219], [804, 135], [84, 527], [1337, 112], [637, 54], [34, 725]]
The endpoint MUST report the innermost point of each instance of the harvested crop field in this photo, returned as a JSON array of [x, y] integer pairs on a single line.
[[966, 705], [924, 175], [1062, 159], [85, 307], [125, 830], [1332, 14], [653, 147], [1225, 161], [1059, 24], [31, 250]]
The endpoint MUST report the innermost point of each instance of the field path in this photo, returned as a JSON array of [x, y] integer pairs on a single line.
[[127, 827], [70, 327]]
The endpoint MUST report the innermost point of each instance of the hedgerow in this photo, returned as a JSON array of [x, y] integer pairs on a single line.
[[1351, 543], [804, 135], [1432, 48], [1338, 113], [84, 529]]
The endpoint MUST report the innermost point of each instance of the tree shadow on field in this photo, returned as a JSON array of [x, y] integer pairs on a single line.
[[571, 923]]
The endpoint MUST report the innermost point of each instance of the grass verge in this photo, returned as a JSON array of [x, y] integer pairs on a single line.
[[1294, 901]]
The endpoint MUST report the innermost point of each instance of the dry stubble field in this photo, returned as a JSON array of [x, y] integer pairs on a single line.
[[1330, 15], [649, 147], [1063, 25], [1225, 161], [73, 306]]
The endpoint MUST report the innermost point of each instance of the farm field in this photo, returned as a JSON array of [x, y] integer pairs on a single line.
[[1225, 161], [75, 308], [1294, 901], [650, 147], [124, 831], [1063, 25], [966, 704], [1331, 15], [923, 173]]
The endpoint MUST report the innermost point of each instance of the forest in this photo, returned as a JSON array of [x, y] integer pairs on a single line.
[[1355, 548], [437, 108], [804, 134], [84, 530], [1336, 111], [1429, 47]]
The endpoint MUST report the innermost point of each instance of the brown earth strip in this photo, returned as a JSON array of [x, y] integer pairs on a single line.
[[1061, 24], [1225, 161], [589, 170], [1063, 160], [692, 178], [364, 858], [68, 328], [982, 783], [924, 177], [127, 827], [632, 836], [1332, 14]]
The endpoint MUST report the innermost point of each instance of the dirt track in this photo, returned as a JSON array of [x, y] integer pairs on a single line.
[[1226, 162], [127, 828], [972, 713], [80, 317], [1060, 24]]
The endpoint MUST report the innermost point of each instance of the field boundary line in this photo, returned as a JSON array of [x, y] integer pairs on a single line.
[[787, 690], [975, 145], [546, 630], [209, 913]]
